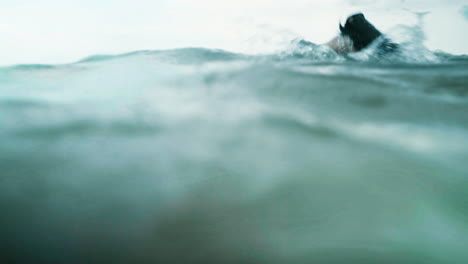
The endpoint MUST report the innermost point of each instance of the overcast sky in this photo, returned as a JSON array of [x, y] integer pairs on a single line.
[[60, 31]]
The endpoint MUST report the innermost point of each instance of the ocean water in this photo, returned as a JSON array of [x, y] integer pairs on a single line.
[[206, 156]]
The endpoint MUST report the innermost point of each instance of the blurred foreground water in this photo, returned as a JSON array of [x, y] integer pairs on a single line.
[[206, 156]]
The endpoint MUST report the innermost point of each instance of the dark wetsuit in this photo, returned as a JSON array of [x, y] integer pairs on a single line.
[[363, 33]]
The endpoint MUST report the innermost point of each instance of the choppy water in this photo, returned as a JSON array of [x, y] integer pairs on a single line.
[[205, 156]]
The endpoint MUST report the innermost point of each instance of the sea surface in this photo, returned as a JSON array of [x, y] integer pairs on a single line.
[[205, 156]]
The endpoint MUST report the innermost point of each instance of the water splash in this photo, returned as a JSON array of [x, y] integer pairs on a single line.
[[305, 50], [409, 40]]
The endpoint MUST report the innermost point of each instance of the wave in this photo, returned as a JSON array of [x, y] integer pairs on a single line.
[[300, 52], [184, 55]]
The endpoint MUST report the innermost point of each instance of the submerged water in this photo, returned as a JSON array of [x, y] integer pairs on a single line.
[[205, 156]]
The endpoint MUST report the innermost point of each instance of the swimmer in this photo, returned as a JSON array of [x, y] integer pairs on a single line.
[[357, 34]]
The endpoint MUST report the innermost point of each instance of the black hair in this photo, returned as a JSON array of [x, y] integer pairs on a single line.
[[360, 31]]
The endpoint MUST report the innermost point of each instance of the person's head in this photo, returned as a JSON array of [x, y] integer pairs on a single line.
[[360, 31]]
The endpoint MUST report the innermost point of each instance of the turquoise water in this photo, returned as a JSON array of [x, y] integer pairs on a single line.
[[206, 156]]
